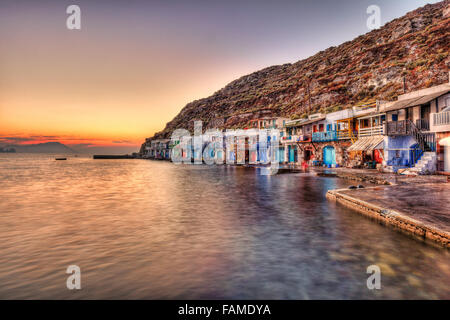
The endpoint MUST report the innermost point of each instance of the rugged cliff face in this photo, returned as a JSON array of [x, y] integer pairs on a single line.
[[414, 47]]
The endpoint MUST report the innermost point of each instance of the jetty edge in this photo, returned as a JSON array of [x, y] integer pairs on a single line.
[[397, 218], [113, 156]]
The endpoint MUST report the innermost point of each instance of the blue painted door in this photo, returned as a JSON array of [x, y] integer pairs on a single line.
[[291, 154], [281, 155], [219, 155], [329, 155]]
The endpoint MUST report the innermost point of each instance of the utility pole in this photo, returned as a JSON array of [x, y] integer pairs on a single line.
[[404, 84], [404, 80], [308, 92]]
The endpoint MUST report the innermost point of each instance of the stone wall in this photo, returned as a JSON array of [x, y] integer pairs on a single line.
[[317, 152]]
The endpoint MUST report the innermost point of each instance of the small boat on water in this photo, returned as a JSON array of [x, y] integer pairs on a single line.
[[60, 158]]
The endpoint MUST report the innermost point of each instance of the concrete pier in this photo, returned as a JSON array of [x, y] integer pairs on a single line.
[[422, 210], [106, 156]]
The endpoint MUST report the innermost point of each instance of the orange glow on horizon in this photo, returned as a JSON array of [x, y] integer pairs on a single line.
[[68, 141], [82, 87]]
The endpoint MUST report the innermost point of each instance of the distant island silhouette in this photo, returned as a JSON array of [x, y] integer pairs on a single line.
[[7, 150], [47, 147]]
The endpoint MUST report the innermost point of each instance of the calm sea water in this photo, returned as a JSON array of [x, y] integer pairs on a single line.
[[150, 229]]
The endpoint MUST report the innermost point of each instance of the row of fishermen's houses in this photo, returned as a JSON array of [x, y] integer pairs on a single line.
[[411, 133]]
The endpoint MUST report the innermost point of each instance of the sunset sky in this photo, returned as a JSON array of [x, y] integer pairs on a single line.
[[135, 64]]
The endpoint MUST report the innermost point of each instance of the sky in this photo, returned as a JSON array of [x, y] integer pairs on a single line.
[[134, 65]]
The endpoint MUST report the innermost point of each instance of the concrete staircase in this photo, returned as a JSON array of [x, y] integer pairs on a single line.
[[426, 164]]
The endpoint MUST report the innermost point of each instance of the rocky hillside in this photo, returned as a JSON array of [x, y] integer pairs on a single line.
[[370, 67]]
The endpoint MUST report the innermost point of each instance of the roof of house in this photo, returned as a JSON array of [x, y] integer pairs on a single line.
[[267, 118], [302, 122], [416, 101], [371, 114], [367, 143]]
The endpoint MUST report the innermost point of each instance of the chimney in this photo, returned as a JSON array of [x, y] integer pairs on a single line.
[[404, 84]]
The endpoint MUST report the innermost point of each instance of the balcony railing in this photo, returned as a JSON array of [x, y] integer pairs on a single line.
[[347, 135], [372, 131], [407, 127], [288, 138], [441, 119], [423, 124], [301, 138], [325, 136], [403, 127], [304, 138], [398, 128]]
